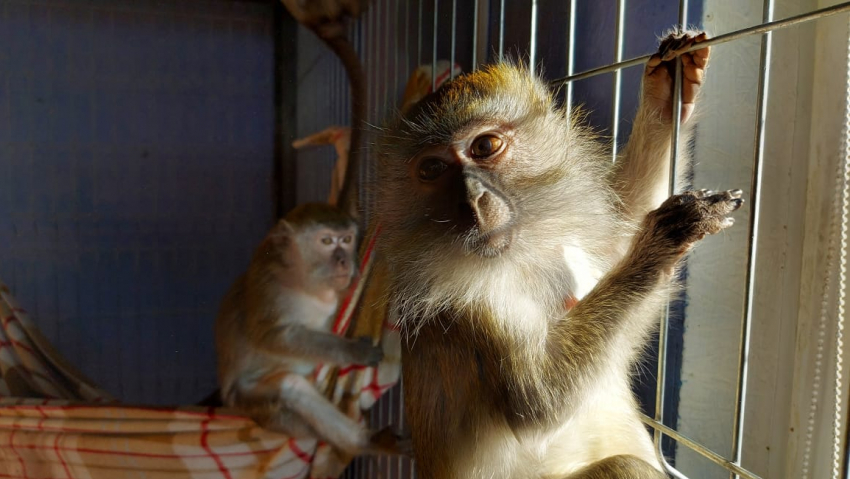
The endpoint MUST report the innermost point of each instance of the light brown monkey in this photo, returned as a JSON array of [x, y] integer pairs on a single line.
[[274, 327], [527, 274], [326, 18]]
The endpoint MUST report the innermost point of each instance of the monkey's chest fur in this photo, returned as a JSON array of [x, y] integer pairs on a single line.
[[478, 407]]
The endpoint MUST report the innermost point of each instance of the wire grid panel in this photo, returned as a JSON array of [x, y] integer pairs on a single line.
[[396, 36], [136, 151]]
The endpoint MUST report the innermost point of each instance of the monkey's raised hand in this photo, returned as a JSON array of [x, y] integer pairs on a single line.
[[661, 70]]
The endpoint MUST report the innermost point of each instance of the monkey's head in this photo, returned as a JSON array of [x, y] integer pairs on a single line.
[[489, 167], [325, 236]]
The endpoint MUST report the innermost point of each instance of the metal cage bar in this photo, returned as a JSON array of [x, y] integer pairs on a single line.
[[396, 30], [696, 447], [454, 40], [434, 48], [571, 39], [532, 41], [474, 65], [661, 377], [618, 74], [755, 197], [502, 30], [728, 37], [419, 45]]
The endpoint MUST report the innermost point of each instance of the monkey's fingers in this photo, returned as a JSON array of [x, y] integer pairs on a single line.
[[676, 43], [713, 208], [365, 353]]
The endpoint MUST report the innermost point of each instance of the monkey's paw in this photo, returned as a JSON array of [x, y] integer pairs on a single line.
[[661, 70], [387, 441], [365, 353], [684, 219]]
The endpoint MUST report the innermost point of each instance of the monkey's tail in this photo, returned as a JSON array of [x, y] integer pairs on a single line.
[[349, 199]]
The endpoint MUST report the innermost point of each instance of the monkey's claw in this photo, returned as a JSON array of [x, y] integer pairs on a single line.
[[661, 69], [684, 219]]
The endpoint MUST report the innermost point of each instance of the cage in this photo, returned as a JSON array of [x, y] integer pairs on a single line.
[[146, 149]]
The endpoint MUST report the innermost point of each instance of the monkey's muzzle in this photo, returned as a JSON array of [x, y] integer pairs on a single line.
[[493, 216]]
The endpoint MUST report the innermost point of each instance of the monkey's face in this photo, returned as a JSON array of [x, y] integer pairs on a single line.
[[487, 166], [329, 255], [463, 183]]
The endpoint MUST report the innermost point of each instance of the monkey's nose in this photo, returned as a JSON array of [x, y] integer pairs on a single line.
[[490, 209], [339, 256]]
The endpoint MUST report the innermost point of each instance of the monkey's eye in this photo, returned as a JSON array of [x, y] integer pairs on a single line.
[[486, 145], [431, 168], [347, 239], [327, 240]]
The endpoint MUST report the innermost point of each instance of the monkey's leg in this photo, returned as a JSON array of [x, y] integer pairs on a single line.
[[266, 408], [642, 173], [289, 404], [329, 423], [619, 467]]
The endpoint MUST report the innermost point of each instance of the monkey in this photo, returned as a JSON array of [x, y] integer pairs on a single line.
[[274, 327], [326, 18], [527, 271]]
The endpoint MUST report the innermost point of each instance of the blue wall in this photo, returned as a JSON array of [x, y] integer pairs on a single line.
[[136, 160]]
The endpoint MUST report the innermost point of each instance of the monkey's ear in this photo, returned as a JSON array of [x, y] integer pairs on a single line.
[[281, 232]]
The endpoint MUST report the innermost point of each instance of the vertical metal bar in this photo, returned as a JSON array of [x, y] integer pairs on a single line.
[[385, 62], [400, 420], [454, 40], [419, 46], [571, 39], [434, 49], [618, 75], [502, 30], [532, 41], [474, 65], [396, 44], [407, 56], [755, 198], [286, 158], [674, 159], [375, 31], [366, 24], [379, 100]]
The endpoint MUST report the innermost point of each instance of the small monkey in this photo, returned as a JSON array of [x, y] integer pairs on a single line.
[[274, 327], [527, 271]]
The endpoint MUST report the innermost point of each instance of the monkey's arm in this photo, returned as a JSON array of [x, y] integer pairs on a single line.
[[642, 172], [298, 341], [597, 332]]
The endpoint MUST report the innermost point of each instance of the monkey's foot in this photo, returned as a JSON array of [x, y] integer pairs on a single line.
[[661, 70], [387, 441], [684, 219]]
